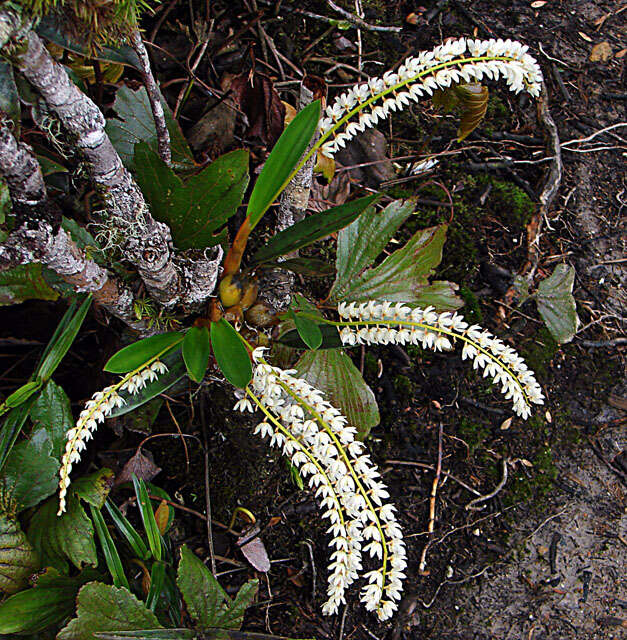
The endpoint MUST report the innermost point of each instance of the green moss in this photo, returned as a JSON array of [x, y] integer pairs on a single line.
[[509, 201], [404, 386], [539, 353], [497, 116], [472, 310], [472, 434]]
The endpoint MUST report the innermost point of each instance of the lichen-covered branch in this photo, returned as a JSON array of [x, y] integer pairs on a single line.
[[145, 242], [163, 136], [36, 240]]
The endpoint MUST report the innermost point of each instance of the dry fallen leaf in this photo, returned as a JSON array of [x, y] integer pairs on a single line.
[[548, 416], [538, 3], [162, 515], [141, 465], [254, 550], [621, 54], [506, 424], [412, 18], [601, 52], [526, 462], [585, 37]]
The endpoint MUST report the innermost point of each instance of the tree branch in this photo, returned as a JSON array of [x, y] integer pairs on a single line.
[[163, 135], [145, 242]]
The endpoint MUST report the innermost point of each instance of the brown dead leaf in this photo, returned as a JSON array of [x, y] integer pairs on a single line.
[[538, 4], [258, 100], [506, 424], [141, 465], [621, 54], [584, 36], [367, 157], [601, 52], [162, 515], [254, 550]]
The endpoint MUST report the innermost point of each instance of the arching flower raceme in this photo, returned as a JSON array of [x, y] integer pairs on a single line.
[[100, 406], [318, 440], [395, 323], [463, 60]]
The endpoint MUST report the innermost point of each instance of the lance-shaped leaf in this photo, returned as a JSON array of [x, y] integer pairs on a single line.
[[334, 373], [282, 160], [196, 351], [18, 559], [137, 354], [197, 208], [102, 607], [556, 303], [404, 275], [314, 227], [230, 354], [52, 599]]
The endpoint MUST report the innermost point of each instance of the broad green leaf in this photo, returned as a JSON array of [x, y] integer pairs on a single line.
[[51, 410], [112, 558], [330, 338], [403, 276], [30, 474], [207, 602], [282, 160], [136, 124], [58, 539], [308, 330], [148, 517], [196, 351], [230, 354], [139, 353], [62, 340], [18, 559], [361, 243], [9, 97], [312, 228], [556, 303], [24, 282], [103, 607], [79, 234], [176, 371], [189, 634], [95, 487], [334, 373], [52, 599], [197, 208]]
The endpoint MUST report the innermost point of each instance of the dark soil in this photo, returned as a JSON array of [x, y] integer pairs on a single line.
[[545, 558]]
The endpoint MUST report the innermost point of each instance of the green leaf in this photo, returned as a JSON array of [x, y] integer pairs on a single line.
[[196, 351], [135, 355], [112, 558], [103, 607], [206, 601], [556, 303], [282, 160], [24, 282], [312, 228], [310, 267], [230, 354], [128, 531], [58, 539], [79, 234], [157, 579], [11, 428], [148, 518], [95, 487], [21, 395], [30, 474], [62, 340], [52, 599], [194, 209], [330, 338], [334, 373], [9, 97], [52, 411], [176, 371], [18, 559], [308, 330], [404, 275], [189, 634], [137, 125]]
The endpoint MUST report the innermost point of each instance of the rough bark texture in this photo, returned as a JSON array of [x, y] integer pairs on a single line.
[[163, 136], [145, 242]]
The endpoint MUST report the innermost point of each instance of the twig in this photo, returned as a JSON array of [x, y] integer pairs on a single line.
[[472, 505], [423, 465], [595, 344], [359, 22], [434, 490], [203, 423], [595, 134], [154, 97]]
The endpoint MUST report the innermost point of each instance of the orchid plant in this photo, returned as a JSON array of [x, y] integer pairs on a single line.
[[313, 434]]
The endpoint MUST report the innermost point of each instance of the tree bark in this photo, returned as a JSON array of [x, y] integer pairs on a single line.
[[145, 242]]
